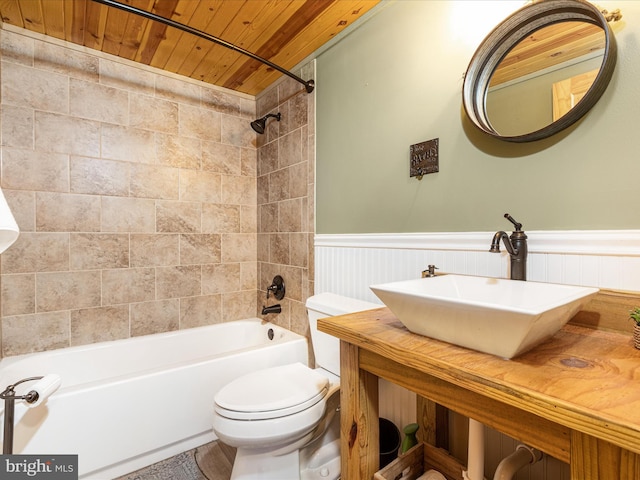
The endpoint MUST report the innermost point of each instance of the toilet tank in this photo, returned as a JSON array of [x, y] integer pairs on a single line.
[[327, 347]]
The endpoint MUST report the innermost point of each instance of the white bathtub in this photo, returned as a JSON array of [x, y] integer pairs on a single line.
[[129, 403]]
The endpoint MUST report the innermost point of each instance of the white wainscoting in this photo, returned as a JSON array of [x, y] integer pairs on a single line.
[[348, 264]]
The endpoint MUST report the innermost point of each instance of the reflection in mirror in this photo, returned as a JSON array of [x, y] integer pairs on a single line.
[[544, 76], [564, 45]]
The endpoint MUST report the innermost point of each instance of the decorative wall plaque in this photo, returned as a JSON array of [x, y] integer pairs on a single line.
[[423, 158]]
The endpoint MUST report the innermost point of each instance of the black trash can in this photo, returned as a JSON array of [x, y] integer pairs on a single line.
[[389, 442]]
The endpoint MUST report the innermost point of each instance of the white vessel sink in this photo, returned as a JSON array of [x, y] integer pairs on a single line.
[[497, 316]]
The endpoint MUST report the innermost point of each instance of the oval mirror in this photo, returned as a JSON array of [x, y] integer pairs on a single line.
[[540, 70]]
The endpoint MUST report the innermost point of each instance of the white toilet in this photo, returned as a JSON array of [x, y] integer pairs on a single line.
[[283, 420]]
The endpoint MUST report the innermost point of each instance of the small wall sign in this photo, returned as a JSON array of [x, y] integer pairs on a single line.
[[423, 158]]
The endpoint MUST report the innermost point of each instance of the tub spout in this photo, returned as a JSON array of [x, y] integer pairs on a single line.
[[510, 465], [272, 309]]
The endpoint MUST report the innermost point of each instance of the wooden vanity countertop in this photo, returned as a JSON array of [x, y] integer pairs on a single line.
[[583, 378]]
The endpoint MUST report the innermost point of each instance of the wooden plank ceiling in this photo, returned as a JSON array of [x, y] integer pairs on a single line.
[[282, 31], [548, 47]]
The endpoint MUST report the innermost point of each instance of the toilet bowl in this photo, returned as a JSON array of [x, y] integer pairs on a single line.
[[271, 407], [283, 420]]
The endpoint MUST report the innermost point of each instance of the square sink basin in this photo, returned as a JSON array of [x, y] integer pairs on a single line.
[[497, 316]]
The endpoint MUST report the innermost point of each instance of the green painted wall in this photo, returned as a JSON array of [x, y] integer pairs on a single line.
[[397, 80], [533, 99]]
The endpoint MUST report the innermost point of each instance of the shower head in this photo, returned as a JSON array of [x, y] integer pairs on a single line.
[[260, 124]]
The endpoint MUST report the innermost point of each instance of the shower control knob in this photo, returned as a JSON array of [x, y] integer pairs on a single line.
[[276, 287]]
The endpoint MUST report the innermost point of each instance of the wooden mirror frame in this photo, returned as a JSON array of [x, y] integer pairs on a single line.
[[508, 34]]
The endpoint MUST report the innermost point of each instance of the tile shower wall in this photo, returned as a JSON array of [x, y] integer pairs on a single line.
[[286, 173], [135, 192]]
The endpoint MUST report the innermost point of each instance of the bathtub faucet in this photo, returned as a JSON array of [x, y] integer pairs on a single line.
[[516, 245], [272, 309]]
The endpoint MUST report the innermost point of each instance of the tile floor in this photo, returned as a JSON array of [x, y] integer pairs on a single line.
[[212, 461]]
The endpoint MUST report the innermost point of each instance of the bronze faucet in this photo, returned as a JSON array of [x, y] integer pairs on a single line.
[[430, 271], [516, 246]]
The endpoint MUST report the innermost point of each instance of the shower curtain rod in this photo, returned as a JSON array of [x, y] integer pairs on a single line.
[[309, 84]]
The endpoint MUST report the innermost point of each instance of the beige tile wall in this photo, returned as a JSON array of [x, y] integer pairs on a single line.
[[136, 197], [286, 176]]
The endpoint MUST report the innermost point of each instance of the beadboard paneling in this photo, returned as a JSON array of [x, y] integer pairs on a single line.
[[348, 264]]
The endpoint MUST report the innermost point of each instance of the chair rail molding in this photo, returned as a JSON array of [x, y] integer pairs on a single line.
[[585, 242]]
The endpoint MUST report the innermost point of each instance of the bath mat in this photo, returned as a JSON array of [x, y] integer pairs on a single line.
[[180, 467]]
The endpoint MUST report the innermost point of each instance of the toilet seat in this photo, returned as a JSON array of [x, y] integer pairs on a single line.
[[272, 393]]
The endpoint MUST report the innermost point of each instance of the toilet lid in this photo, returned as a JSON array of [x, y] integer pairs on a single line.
[[272, 392]]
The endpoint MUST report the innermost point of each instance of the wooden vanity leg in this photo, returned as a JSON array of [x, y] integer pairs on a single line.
[[359, 430], [434, 423], [593, 459]]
